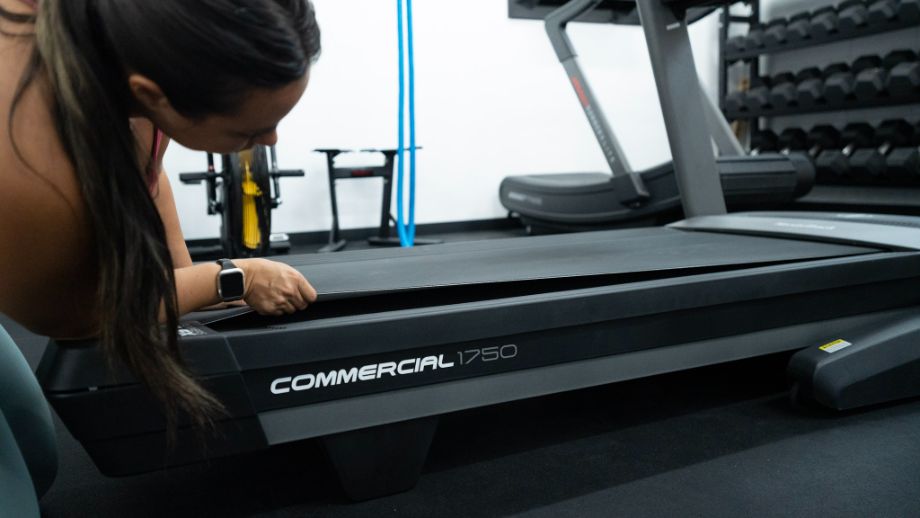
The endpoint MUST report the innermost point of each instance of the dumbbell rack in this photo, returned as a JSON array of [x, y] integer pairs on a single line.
[[750, 57], [858, 32], [887, 192]]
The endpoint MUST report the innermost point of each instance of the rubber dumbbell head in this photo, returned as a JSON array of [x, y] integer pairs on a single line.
[[735, 44], [883, 11], [821, 137], [889, 135], [798, 28], [897, 57], [909, 11], [864, 62], [810, 92], [852, 16], [836, 162], [785, 94], [894, 133], [872, 83], [832, 163], [838, 88], [868, 162], [763, 141], [792, 139], [823, 22], [904, 79], [775, 33], [754, 39], [904, 162], [857, 135], [734, 102], [758, 97]]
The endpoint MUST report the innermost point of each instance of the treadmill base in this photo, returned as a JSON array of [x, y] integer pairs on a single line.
[[382, 460]]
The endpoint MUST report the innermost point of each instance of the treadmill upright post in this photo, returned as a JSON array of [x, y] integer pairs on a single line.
[[682, 104]]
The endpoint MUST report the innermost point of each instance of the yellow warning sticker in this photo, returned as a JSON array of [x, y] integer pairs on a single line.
[[835, 346]]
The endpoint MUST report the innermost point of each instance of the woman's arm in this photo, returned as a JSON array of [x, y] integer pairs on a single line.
[[271, 287], [166, 206]]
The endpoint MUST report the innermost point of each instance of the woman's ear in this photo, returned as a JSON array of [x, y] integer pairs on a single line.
[[148, 95]]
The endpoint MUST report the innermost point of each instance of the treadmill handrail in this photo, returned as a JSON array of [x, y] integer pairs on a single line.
[[557, 20], [633, 191]]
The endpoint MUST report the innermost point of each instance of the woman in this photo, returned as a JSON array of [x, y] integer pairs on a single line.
[[90, 239]]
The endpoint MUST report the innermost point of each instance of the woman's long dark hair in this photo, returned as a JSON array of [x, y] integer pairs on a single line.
[[206, 55]]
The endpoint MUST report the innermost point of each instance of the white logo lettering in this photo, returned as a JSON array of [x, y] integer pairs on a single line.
[[296, 383], [279, 381], [364, 373]]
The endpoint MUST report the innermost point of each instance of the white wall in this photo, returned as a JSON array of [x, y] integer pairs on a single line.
[[492, 100]]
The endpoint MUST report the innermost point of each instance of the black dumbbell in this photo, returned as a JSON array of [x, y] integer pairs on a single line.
[[823, 22], [784, 95], [764, 141], [904, 162], [872, 83], [735, 44], [734, 102], [909, 11], [883, 11], [904, 79], [754, 39], [774, 34], [810, 92], [836, 162], [792, 139], [798, 28], [889, 135], [839, 86], [758, 97], [821, 137], [852, 16]]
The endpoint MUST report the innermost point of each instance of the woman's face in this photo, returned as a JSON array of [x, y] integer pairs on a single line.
[[255, 122]]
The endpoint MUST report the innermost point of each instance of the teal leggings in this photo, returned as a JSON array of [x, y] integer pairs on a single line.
[[28, 452]]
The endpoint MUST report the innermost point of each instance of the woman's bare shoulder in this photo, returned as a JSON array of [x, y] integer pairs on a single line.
[[43, 233]]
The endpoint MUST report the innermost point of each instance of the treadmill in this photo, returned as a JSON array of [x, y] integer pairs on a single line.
[[401, 336], [580, 201]]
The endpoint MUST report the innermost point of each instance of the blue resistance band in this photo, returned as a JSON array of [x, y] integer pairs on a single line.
[[406, 231]]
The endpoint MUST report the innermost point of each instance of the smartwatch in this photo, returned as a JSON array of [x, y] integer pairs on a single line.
[[230, 281]]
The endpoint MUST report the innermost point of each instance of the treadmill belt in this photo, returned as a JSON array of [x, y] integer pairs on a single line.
[[519, 260]]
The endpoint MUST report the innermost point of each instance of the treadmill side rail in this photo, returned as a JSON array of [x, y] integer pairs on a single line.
[[849, 229]]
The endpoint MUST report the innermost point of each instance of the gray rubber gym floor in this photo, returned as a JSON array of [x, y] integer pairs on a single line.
[[718, 441]]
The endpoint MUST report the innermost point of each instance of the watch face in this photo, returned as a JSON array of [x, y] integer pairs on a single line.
[[231, 284]]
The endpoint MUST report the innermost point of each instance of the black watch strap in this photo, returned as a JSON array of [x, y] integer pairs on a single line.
[[225, 264]]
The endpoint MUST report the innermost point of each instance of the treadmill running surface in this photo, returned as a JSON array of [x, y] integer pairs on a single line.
[[614, 256]]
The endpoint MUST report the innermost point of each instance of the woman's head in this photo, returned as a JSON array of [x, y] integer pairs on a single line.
[[203, 70], [215, 75]]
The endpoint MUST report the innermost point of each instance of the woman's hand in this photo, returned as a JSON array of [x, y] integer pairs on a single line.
[[274, 288]]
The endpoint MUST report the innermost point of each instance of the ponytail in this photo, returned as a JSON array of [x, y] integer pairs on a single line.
[[135, 278], [86, 48]]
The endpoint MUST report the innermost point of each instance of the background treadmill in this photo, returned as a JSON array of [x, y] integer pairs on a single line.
[[581, 201], [402, 336]]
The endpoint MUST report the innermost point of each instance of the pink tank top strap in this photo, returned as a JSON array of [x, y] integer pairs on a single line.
[[157, 142], [153, 166]]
